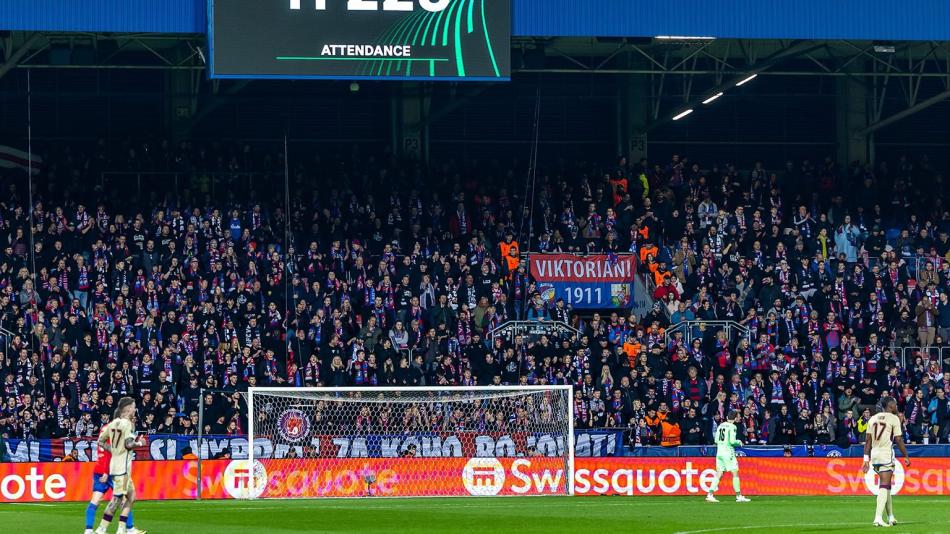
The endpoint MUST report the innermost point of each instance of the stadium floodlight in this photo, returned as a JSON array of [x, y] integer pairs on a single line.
[[684, 38], [682, 114], [747, 80], [406, 442], [712, 99]]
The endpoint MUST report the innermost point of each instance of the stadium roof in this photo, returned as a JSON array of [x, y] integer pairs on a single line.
[[921, 20]]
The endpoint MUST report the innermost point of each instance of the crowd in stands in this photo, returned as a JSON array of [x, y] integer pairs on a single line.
[[382, 274]]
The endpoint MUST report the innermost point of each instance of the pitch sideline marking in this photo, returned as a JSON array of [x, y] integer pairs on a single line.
[[344, 503], [750, 527]]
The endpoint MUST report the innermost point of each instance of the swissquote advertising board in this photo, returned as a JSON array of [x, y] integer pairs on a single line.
[[347, 477]]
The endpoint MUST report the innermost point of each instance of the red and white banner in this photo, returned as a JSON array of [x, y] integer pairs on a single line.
[[351, 477], [72, 481], [595, 282], [11, 158], [597, 268]]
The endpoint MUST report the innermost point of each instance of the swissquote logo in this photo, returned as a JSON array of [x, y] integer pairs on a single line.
[[483, 476], [239, 482], [293, 425]]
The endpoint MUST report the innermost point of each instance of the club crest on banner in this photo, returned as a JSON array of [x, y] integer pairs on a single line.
[[293, 425]]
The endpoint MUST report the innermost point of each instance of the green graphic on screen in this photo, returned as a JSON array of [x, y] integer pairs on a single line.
[[453, 39]]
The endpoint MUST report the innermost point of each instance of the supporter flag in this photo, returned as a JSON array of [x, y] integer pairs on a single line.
[[11, 158]]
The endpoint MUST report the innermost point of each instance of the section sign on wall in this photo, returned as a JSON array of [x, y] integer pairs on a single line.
[[405, 39], [596, 281]]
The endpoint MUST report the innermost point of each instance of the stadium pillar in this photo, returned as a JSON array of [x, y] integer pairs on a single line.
[[633, 115], [410, 129], [851, 110]]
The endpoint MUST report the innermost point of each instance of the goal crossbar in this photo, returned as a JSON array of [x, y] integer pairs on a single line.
[[448, 389]]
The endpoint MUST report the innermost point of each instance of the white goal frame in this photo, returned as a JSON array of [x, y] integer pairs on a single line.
[[569, 450]]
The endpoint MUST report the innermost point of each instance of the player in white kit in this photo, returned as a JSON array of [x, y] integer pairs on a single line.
[[884, 429], [118, 437]]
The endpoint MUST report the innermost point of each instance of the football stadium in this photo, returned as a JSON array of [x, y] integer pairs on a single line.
[[453, 266]]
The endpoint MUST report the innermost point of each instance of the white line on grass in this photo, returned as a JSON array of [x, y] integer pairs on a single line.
[[790, 525], [453, 502]]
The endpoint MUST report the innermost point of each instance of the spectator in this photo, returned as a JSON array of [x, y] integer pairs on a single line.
[[940, 419], [383, 283], [805, 432], [926, 322], [782, 428], [4, 451], [188, 454], [915, 416], [943, 316]]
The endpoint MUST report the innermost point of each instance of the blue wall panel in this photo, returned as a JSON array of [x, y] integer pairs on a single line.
[[799, 19], [153, 16]]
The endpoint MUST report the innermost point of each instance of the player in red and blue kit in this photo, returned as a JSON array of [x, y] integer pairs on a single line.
[[101, 484]]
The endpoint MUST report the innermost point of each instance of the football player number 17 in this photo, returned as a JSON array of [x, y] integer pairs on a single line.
[[877, 430]]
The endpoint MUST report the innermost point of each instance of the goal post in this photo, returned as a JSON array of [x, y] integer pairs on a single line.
[[409, 442]]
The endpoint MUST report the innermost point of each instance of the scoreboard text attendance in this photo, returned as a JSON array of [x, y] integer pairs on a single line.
[[402, 39]]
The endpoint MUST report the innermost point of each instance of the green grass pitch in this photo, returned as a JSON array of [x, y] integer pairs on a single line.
[[519, 515]]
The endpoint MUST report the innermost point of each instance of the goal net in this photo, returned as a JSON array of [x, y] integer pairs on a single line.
[[397, 442]]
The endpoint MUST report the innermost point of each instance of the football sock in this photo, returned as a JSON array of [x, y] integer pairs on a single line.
[[889, 507], [123, 519], [91, 515], [128, 522], [715, 484], [106, 519], [735, 484], [882, 494]]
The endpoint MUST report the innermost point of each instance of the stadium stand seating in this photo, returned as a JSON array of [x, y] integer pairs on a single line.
[[822, 287]]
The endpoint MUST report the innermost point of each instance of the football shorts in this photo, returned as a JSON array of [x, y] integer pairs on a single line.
[[121, 484], [882, 463], [101, 487], [727, 463]]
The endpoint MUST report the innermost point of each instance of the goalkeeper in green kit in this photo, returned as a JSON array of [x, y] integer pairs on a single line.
[[726, 444]]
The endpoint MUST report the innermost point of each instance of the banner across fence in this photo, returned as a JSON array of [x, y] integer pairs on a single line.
[[587, 443], [629, 476]]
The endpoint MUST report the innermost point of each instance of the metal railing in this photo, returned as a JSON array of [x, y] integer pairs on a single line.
[[919, 264], [908, 356], [696, 330], [556, 329], [204, 182], [6, 337]]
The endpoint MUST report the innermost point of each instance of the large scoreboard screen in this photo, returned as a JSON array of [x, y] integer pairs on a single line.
[[398, 39]]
